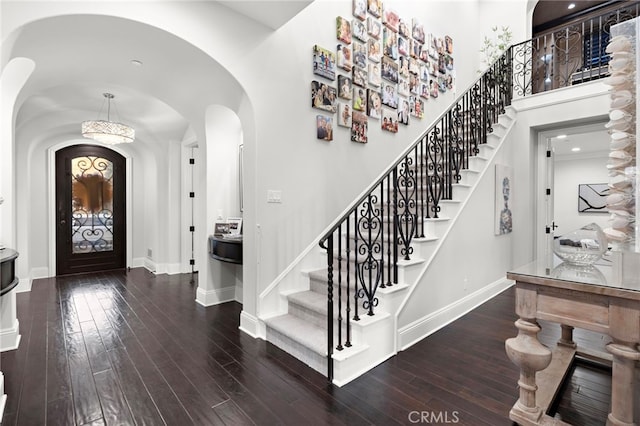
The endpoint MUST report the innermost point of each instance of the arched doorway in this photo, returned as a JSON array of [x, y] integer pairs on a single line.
[[90, 210]]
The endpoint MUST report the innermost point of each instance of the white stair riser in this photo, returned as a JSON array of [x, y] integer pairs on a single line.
[[314, 360]]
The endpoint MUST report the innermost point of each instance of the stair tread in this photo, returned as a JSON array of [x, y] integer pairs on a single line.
[[301, 331], [310, 299]]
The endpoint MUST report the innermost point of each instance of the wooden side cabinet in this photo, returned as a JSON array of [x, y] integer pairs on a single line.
[[225, 249]]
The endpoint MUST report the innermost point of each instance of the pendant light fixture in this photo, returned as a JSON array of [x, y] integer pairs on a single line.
[[108, 132]]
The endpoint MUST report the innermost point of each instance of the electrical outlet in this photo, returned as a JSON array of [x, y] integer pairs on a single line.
[[274, 196], [150, 253]]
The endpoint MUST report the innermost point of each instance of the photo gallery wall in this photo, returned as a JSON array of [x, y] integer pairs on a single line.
[[385, 68]]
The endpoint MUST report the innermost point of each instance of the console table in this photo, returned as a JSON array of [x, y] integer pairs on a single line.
[[603, 298], [225, 249]]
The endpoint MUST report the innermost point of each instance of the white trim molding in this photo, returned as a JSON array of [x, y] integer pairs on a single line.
[[252, 326], [3, 396], [10, 337], [429, 324], [215, 296], [24, 285]]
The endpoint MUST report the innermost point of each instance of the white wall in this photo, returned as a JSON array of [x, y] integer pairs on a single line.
[[569, 173]]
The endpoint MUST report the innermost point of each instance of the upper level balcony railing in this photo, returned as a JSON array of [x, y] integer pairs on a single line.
[[569, 55]]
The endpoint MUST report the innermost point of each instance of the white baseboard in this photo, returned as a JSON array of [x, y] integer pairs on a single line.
[[239, 293], [3, 396], [150, 265], [10, 337], [252, 326], [215, 296], [425, 326], [24, 285], [138, 262], [41, 272], [173, 268]]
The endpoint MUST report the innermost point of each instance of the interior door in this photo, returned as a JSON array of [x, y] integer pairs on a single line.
[[549, 194], [90, 210]]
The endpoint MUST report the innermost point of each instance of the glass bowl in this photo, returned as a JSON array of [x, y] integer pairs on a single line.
[[583, 246]]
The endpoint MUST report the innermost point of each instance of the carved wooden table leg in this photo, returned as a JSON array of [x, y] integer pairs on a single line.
[[567, 337], [623, 384], [530, 355]]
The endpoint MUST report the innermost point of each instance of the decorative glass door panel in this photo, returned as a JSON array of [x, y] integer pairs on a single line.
[[90, 209], [91, 204]]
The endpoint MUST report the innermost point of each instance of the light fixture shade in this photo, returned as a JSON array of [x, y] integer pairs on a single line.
[[108, 132]]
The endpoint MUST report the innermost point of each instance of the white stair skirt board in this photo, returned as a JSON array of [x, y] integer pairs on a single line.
[[297, 322], [418, 330], [215, 296], [10, 337]]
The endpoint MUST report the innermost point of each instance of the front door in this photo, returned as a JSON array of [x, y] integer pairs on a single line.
[[90, 210]]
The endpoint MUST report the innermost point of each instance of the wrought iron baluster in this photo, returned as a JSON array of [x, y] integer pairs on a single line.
[[421, 186], [348, 294], [339, 347], [382, 285], [329, 248], [356, 269], [395, 225], [390, 241]]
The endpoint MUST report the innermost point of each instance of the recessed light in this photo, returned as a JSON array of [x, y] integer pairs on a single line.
[[561, 136], [571, 6], [575, 149], [136, 63]]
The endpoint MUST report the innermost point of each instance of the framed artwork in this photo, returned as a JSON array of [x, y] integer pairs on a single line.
[[414, 66], [343, 29], [441, 67], [344, 114], [424, 72], [324, 62], [324, 127], [359, 76], [375, 51], [374, 74], [360, 9], [417, 31], [416, 106], [390, 95], [390, 19], [440, 45], [359, 127], [432, 46], [390, 43], [374, 104], [403, 67], [323, 96], [448, 62], [404, 28], [424, 53], [359, 99], [235, 225], [414, 84], [592, 197], [403, 46], [416, 49], [424, 90], [344, 60], [344, 87], [374, 27], [220, 229], [403, 112], [403, 86], [374, 7], [359, 30], [389, 121], [359, 55], [448, 45], [433, 87], [450, 80], [389, 69], [433, 67], [442, 84], [504, 187]]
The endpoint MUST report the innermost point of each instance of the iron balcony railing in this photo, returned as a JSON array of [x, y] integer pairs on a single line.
[[366, 243]]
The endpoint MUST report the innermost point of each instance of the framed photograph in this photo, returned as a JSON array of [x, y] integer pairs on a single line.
[[344, 56], [359, 99], [414, 84], [404, 46], [592, 197], [343, 29], [441, 64], [414, 66], [442, 84], [403, 112], [359, 30], [424, 72], [450, 80], [390, 19], [433, 88], [448, 61], [323, 96], [390, 43], [344, 114], [404, 28], [403, 87], [416, 49], [390, 95], [389, 121], [374, 74], [374, 7], [360, 9], [344, 87], [359, 55], [433, 67], [374, 104], [504, 195], [389, 69], [324, 127], [359, 76], [417, 31], [403, 67], [448, 45], [374, 27], [220, 229], [359, 127], [324, 62], [416, 107], [375, 51], [235, 225], [440, 45], [424, 90]]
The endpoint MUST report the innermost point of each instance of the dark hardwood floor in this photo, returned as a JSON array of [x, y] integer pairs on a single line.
[[133, 348]]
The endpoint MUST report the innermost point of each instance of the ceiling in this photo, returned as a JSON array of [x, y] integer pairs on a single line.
[[592, 141], [550, 13]]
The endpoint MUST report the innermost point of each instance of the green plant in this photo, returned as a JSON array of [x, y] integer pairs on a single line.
[[494, 46]]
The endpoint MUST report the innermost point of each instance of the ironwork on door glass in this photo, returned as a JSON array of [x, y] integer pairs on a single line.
[[92, 204]]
